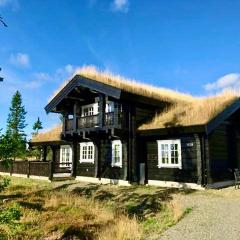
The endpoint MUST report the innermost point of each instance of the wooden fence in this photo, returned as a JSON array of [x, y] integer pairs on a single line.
[[29, 168]]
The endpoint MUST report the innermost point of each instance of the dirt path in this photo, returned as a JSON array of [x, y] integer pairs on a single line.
[[215, 215]]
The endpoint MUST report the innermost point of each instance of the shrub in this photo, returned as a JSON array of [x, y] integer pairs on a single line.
[[10, 215], [4, 183]]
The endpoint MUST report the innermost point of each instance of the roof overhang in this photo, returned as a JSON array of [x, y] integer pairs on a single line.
[[222, 116], [173, 131], [86, 83]]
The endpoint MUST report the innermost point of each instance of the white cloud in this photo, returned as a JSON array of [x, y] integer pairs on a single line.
[[120, 5], [228, 81], [20, 59], [69, 69], [42, 78], [33, 84]]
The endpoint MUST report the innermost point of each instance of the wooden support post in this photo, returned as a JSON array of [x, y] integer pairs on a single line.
[[74, 158], [116, 114], [97, 160], [132, 143], [64, 122], [51, 167], [102, 106], [44, 153], [75, 117], [199, 159]]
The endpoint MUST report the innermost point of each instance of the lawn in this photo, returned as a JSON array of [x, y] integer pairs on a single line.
[[32, 209]]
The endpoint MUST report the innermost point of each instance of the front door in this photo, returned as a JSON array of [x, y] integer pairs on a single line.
[[65, 158]]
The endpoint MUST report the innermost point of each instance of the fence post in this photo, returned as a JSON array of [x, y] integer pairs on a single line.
[[11, 168], [50, 170], [28, 172]]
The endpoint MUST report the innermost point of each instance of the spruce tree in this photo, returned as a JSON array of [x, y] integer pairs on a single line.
[[16, 124], [37, 126]]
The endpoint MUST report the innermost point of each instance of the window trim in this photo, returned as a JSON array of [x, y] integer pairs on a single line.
[[169, 165], [61, 157], [113, 164], [86, 160]]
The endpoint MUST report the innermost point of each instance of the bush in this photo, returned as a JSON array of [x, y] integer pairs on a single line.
[[10, 215], [4, 183]]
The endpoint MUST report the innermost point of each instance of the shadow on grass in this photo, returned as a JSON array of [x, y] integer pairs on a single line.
[[11, 196], [129, 200], [31, 205], [63, 186], [83, 233]]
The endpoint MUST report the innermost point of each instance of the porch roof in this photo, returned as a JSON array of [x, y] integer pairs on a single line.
[[51, 135]]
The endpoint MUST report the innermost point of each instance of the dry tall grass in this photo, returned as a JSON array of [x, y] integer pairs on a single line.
[[53, 134], [199, 111], [72, 210], [127, 85]]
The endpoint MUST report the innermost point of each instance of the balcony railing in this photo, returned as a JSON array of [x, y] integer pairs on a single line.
[[88, 121], [93, 121]]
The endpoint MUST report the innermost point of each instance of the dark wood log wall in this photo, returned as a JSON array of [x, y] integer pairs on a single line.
[[189, 171], [84, 169], [222, 153], [103, 159]]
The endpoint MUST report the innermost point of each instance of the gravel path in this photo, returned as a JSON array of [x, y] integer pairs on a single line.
[[215, 215]]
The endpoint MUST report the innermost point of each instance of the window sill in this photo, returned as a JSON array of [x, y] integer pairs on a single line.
[[164, 166], [86, 161], [119, 166]]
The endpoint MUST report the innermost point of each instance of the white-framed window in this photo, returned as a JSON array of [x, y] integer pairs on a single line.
[[87, 151], [169, 153], [66, 156], [116, 153], [109, 107], [89, 110]]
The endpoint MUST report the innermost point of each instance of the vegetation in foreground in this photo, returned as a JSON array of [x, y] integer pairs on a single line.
[[33, 209]]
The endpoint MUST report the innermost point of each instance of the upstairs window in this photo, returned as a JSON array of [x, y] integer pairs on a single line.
[[169, 153], [87, 152], [65, 156], [109, 107], [90, 110], [116, 153]]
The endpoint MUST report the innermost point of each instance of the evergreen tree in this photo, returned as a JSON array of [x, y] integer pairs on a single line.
[[37, 126], [16, 124], [6, 147]]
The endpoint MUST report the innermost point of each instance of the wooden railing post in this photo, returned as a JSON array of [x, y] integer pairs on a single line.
[[11, 168], [28, 170]]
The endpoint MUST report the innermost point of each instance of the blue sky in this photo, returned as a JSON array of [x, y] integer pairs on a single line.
[[190, 45]]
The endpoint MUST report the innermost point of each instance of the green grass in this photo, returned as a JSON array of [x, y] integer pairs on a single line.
[[40, 209]]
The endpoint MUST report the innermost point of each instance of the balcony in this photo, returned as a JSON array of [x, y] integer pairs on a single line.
[[93, 121]]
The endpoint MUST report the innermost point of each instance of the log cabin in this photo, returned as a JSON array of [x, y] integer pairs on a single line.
[[116, 130]]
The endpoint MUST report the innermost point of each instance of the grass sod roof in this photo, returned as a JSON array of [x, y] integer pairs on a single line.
[[51, 135], [127, 85], [198, 112]]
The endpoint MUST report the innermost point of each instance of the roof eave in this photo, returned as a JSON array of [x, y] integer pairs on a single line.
[[79, 80]]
